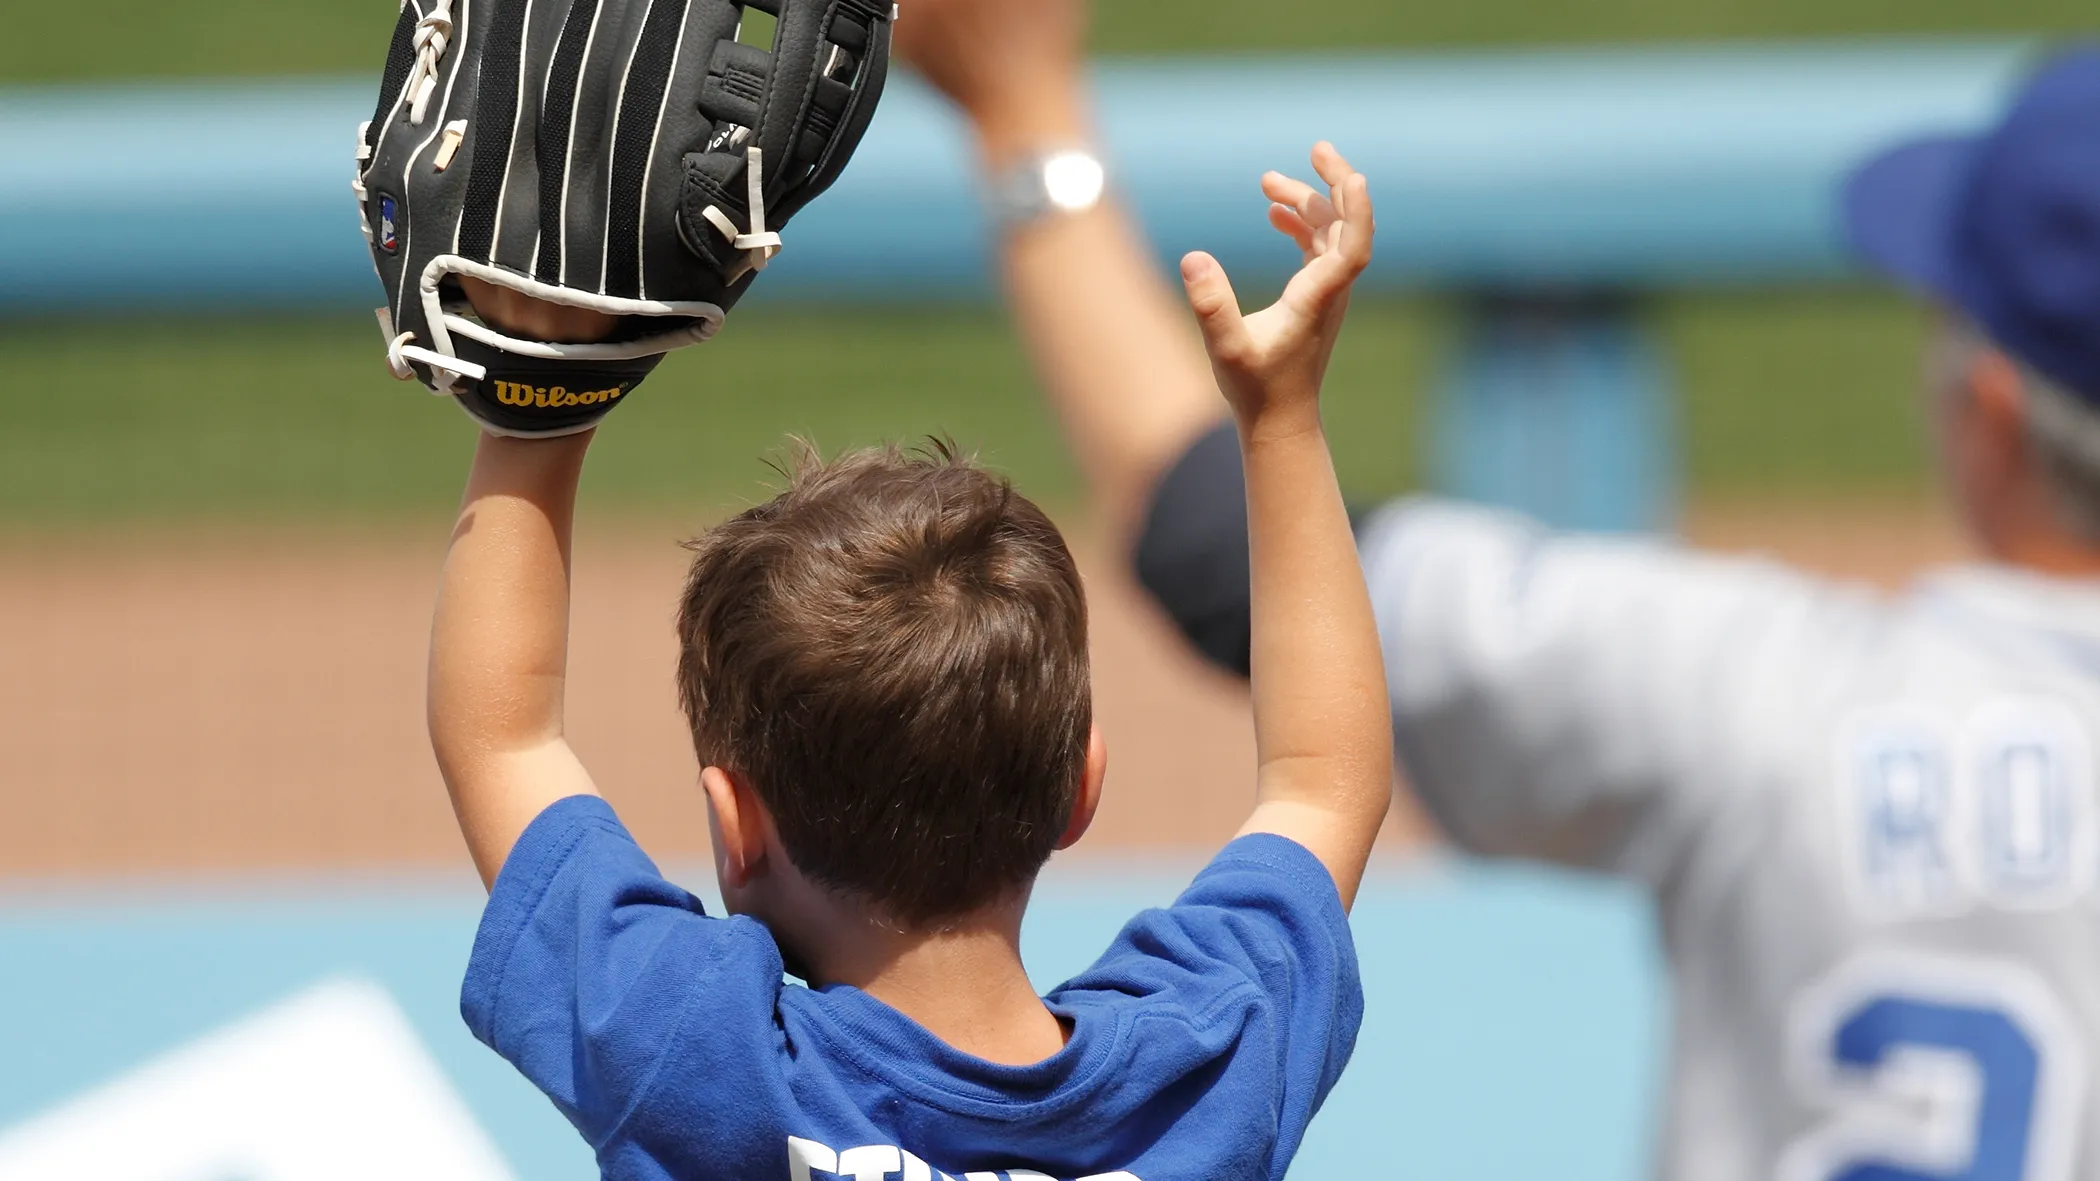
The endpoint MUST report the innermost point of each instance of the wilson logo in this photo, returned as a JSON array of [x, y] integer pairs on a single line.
[[512, 393]]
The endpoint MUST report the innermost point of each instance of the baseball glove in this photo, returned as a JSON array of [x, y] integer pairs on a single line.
[[630, 157]]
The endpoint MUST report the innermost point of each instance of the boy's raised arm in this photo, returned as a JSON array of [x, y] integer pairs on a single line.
[[1322, 734], [499, 644]]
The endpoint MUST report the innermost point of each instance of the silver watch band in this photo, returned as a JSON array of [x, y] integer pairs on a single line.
[[1055, 183]]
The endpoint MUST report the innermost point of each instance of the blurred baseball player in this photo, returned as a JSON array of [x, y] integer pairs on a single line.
[[1870, 825]]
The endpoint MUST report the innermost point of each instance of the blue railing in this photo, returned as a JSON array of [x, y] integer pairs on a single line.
[[1560, 169], [1547, 188]]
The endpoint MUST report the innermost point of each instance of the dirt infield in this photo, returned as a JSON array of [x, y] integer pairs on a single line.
[[240, 703]]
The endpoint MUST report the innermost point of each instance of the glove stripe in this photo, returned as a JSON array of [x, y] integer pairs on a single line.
[[634, 144], [409, 243], [495, 121], [557, 129], [400, 58], [590, 144], [516, 241]]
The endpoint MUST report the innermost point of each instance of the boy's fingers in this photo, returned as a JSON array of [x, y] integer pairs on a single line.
[[1360, 227], [1217, 309], [1310, 204], [1286, 220], [1322, 286], [1330, 164], [1320, 282], [1285, 190]]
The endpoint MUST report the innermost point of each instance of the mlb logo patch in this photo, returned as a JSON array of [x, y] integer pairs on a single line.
[[388, 241]]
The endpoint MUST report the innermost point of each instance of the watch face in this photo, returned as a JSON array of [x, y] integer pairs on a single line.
[[1059, 182], [1072, 181]]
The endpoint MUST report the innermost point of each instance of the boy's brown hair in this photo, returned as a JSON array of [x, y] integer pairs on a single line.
[[893, 653]]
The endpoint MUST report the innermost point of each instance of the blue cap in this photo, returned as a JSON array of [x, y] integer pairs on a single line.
[[2004, 226]]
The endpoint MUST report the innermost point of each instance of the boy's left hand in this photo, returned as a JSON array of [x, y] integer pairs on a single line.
[[1269, 365], [519, 314]]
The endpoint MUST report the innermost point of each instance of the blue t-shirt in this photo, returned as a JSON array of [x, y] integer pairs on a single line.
[[1202, 1041]]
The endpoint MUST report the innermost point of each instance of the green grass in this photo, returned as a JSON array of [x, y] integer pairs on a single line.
[[293, 419], [189, 38], [1801, 394], [297, 417]]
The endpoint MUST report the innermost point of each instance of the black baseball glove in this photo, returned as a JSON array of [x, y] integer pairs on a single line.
[[629, 157]]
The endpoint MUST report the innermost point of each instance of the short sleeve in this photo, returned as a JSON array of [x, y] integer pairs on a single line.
[[588, 960], [1264, 916]]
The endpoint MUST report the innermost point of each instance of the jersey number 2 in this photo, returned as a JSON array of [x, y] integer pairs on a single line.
[[1935, 1069]]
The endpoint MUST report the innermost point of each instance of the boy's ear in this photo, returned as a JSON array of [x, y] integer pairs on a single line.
[[1090, 782], [739, 826]]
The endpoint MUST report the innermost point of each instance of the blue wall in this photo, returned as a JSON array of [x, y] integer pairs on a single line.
[[1585, 168], [1513, 1028]]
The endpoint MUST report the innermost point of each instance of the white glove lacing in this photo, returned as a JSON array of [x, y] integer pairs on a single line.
[[760, 245], [433, 34], [399, 352]]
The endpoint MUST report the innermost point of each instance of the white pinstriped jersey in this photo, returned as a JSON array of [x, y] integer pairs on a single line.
[[1870, 825]]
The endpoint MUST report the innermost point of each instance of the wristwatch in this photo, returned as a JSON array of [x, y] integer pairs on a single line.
[[1055, 183]]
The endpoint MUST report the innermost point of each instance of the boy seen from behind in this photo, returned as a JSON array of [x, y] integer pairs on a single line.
[[885, 671]]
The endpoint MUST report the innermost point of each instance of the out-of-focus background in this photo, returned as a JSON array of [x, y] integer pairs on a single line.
[[233, 907]]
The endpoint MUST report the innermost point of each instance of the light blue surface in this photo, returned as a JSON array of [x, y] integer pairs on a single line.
[[1561, 410], [1586, 168], [1512, 1030]]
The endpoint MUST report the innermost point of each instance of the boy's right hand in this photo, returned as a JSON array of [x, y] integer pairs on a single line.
[[1269, 365]]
